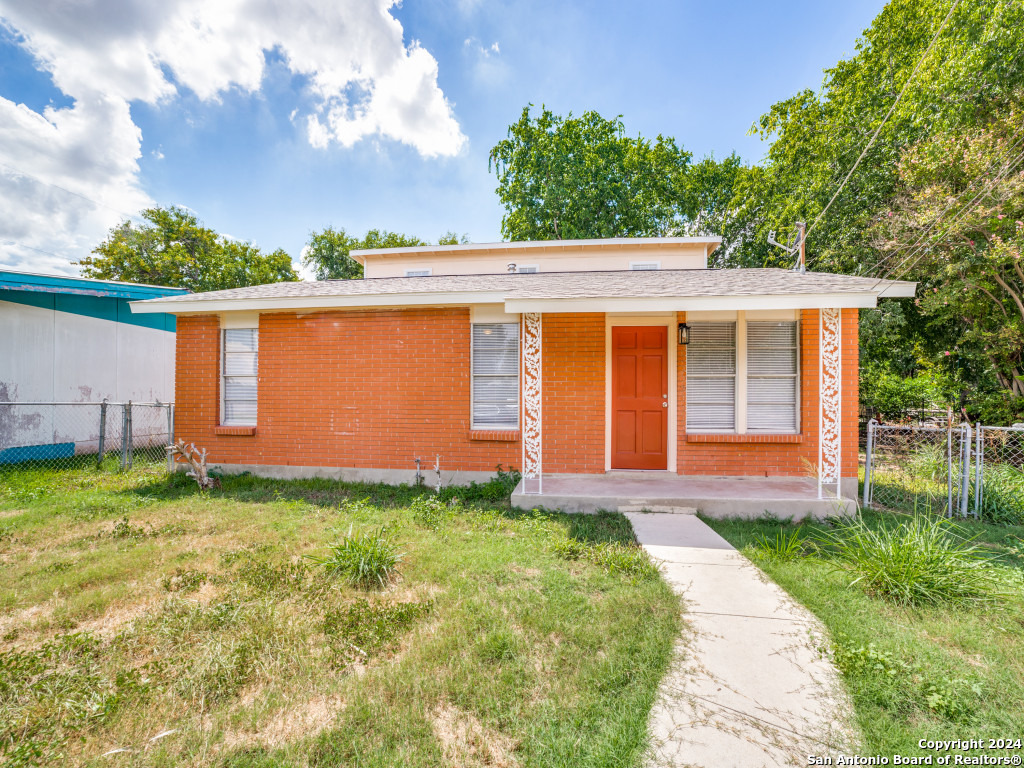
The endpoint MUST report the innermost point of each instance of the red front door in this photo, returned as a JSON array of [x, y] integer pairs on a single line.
[[639, 397]]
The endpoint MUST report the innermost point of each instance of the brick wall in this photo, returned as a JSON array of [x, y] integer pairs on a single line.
[[369, 389], [573, 392], [376, 389]]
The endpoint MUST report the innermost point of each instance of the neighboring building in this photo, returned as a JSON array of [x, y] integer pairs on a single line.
[[592, 357], [70, 339]]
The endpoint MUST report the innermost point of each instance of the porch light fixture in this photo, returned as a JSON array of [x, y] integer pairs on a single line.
[[684, 334]]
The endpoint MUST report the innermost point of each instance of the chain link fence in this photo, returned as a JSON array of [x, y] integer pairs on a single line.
[[70, 435], [958, 470], [910, 468], [999, 474]]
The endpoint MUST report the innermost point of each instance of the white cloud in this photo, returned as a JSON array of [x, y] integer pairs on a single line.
[[364, 80]]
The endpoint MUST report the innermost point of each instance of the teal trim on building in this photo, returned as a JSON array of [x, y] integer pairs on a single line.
[[83, 286], [92, 300]]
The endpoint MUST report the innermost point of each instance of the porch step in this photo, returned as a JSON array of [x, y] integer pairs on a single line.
[[783, 497], [640, 506]]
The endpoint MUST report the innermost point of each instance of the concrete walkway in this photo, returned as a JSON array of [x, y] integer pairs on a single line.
[[749, 686]]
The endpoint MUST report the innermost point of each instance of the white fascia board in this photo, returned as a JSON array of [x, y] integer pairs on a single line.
[[897, 290], [282, 303], [696, 303]]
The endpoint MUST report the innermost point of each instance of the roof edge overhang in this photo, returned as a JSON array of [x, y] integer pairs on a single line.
[[519, 246], [840, 300], [697, 303], [283, 303]]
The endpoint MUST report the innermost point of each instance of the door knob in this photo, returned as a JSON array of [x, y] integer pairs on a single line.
[[664, 405]]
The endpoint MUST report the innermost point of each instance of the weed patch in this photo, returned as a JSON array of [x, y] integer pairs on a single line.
[[626, 560], [362, 630], [369, 560]]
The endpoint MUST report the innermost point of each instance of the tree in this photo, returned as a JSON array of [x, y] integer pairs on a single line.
[[816, 137], [327, 252], [173, 248], [969, 263], [566, 178]]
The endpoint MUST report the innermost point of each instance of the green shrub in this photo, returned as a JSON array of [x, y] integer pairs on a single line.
[[920, 561], [365, 561]]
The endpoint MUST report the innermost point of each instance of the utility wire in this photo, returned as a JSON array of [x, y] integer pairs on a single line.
[[16, 244], [909, 251], [903, 264], [885, 119]]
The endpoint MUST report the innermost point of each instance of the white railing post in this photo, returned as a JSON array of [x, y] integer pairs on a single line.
[[532, 404]]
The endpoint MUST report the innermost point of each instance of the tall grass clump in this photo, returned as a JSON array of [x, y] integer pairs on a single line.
[[1002, 501], [784, 546], [369, 560], [918, 561]]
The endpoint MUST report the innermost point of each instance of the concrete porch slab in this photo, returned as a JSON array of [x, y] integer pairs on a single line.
[[747, 497]]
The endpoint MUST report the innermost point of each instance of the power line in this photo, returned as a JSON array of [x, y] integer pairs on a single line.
[[16, 244], [888, 114], [904, 266], [951, 204]]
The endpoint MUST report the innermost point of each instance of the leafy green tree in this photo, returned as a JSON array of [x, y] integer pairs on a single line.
[[582, 177], [327, 251], [816, 137], [970, 263], [173, 248]]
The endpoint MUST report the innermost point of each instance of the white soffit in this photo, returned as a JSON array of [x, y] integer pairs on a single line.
[[696, 303]]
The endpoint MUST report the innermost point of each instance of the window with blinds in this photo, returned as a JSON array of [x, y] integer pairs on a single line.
[[239, 374], [711, 378], [495, 374], [772, 376]]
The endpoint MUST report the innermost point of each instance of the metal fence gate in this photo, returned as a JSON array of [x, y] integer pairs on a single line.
[[999, 473], [73, 435], [918, 468]]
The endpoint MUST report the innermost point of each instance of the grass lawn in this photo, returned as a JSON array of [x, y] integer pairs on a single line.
[[139, 614], [914, 673]]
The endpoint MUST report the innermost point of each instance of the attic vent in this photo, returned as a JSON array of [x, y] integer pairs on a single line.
[[645, 265], [417, 273], [531, 269]]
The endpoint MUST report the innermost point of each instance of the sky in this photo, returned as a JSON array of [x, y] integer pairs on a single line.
[[271, 119]]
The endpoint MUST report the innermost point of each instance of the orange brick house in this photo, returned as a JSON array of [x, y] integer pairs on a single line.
[[584, 363]]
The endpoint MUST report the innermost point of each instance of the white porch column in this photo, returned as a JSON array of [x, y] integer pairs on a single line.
[[830, 422], [532, 452]]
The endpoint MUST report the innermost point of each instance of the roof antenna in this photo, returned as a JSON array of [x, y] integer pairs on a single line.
[[511, 268], [795, 245]]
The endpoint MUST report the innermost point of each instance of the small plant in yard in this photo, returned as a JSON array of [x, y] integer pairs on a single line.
[[918, 561], [783, 546], [431, 512], [368, 560], [123, 529]]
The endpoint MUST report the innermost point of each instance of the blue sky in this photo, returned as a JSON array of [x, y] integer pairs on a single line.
[[270, 119]]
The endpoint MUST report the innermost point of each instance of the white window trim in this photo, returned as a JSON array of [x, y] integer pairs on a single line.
[[251, 321], [484, 318], [667, 319], [741, 318], [642, 266], [419, 272]]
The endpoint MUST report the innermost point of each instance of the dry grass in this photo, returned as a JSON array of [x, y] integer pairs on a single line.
[[189, 629]]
